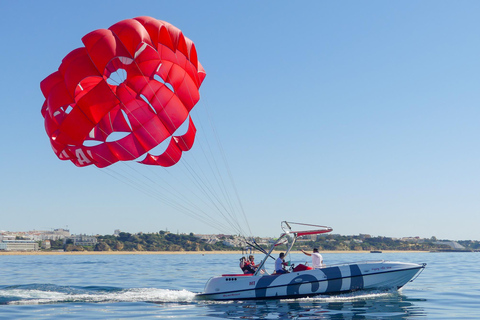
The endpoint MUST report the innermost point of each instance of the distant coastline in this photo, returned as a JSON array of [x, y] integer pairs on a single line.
[[72, 253], [164, 242]]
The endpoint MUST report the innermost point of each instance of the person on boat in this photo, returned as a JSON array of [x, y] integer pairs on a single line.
[[243, 262], [248, 266], [253, 266], [317, 259], [280, 264]]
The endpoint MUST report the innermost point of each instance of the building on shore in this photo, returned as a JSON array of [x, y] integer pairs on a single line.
[[19, 245], [83, 240], [46, 244], [36, 235]]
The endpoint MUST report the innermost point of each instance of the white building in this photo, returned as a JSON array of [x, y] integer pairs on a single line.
[[208, 238], [37, 235], [4, 237], [19, 245], [84, 240], [56, 234]]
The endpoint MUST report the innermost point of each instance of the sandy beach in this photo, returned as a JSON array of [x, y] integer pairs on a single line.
[[42, 253]]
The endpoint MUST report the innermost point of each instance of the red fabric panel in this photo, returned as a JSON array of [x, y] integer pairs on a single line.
[[57, 98], [201, 73], [166, 54], [193, 75], [99, 133], [185, 142], [168, 107], [98, 102], [184, 87], [118, 122], [168, 37], [102, 155], [174, 34], [192, 57], [44, 109], [103, 46], [146, 63], [49, 82], [51, 127], [81, 156], [304, 233], [152, 26], [127, 148], [75, 128], [59, 115], [173, 114], [167, 159], [50, 124], [86, 85], [137, 110], [150, 89], [75, 67], [164, 71], [60, 150], [174, 150], [113, 122], [152, 133], [131, 34], [159, 34]]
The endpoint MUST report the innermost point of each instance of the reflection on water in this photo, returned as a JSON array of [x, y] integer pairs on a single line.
[[379, 306]]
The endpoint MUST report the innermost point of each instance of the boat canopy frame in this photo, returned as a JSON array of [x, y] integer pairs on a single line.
[[288, 231]]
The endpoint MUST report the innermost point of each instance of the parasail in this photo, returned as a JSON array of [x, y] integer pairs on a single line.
[[139, 78], [129, 89]]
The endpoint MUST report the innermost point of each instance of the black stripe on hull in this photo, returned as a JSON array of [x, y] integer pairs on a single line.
[[356, 278]]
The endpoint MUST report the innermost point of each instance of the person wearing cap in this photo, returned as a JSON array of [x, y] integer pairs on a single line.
[[317, 259]]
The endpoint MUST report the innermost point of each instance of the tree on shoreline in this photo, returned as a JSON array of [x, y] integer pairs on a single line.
[[166, 241]]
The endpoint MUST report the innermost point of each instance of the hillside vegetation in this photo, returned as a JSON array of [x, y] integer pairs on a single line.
[[165, 241]]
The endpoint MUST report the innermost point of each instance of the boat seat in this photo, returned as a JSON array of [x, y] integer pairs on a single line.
[[302, 267]]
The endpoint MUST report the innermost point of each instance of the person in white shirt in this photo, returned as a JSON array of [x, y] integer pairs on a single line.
[[317, 259], [280, 264]]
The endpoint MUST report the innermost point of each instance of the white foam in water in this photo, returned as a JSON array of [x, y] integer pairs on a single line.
[[128, 295], [35, 296], [31, 294], [349, 296]]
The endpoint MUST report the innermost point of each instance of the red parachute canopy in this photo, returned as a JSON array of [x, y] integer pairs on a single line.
[[83, 108]]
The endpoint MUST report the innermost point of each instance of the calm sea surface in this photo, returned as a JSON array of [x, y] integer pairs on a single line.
[[164, 286]]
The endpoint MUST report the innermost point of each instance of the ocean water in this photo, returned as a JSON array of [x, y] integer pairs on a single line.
[[164, 286]]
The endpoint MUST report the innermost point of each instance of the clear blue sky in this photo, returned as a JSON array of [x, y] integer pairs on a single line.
[[360, 115]]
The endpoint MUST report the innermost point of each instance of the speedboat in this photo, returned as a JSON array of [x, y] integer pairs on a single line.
[[305, 281]]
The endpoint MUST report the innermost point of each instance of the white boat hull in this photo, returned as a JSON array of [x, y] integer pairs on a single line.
[[373, 275]]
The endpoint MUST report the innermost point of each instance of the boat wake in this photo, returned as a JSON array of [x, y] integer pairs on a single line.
[[350, 296], [35, 294], [47, 293]]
